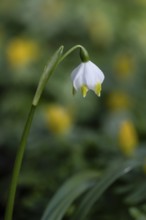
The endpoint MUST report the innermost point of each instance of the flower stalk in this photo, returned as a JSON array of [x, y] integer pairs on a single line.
[[56, 59], [17, 165], [83, 53], [48, 71]]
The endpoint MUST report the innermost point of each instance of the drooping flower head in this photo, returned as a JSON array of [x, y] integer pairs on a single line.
[[87, 76]]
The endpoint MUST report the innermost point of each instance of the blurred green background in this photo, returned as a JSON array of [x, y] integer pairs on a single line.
[[71, 134]]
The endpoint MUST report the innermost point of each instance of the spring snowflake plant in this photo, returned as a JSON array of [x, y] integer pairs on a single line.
[[87, 76]]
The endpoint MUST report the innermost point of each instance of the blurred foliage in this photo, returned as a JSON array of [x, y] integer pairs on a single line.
[[94, 131]]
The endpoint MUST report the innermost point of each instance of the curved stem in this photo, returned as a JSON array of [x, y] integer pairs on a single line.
[[17, 165], [71, 50], [19, 156], [48, 71]]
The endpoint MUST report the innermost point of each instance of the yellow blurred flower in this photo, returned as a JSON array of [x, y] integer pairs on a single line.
[[141, 2], [100, 29], [58, 119], [127, 137], [21, 52], [124, 65], [118, 100]]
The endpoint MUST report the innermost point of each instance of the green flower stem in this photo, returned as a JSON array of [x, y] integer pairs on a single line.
[[19, 157], [48, 71], [17, 165], [83, 53]]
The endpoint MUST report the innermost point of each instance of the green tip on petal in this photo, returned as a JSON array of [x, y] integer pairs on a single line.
[[84, 90], [98, 89]]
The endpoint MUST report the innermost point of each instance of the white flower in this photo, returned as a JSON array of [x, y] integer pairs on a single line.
[[87, 76]]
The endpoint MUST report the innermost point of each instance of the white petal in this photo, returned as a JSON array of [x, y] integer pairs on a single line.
[[89, 79], [96, 70], [87, 74], [75, 71], [77, 76], [92, 75]]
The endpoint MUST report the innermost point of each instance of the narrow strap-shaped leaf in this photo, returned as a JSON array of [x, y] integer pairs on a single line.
[[61, 208], [73, 188], [48, 71], [138, 194], [113, 173]]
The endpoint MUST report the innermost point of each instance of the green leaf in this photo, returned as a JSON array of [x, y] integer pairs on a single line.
[[138, 194], [48, 71], [73, 188], [117, 170], [137, 214]]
